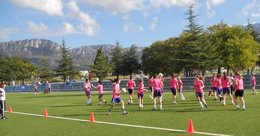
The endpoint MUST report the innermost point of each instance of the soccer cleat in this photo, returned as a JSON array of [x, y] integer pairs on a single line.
[[201, 108], [206, 106], [154, 109], [105, 102], [125, 112], [244, 109]]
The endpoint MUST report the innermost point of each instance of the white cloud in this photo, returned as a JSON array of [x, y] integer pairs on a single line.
[[5, 33], [213, 3], [169, 3], [211, 14], [88, 25], [51, 7], [140, 28], [117, 6], [154, 23], [252, 9], [132, 27], [40, 29], [126, 27], [68, 28]]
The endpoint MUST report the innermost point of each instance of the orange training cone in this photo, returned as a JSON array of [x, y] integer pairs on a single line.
[[92, 118], [10, 109], [45, 113], [190, 127]]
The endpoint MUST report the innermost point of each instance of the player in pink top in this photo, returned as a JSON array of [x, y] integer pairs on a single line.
[[219, 87], [180, 87], [225, 82], [140, 93], [173, 86], [239, 87], [116, 98], [157, 87], [131, 84], [87, 87], [213, 86], [100, 93], [151, 86], [198, 86], [253, 82]]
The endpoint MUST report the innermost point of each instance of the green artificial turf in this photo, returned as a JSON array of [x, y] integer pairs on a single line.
[[215, 119]]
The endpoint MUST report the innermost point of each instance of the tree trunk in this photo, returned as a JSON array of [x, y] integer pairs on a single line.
[[219, 70], [248, 71], [228, 68], [117, 76]]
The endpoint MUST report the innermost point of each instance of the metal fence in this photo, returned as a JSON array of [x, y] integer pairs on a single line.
[[78, 86]]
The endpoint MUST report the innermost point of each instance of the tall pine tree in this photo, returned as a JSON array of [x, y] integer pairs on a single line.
[[130, 61], [65, 64], [193, 48], [117, 59], [101, 67]]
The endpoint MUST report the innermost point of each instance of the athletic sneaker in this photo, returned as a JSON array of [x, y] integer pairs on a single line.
[[125, 112], [201, 108], [206, 106], [244, 109]]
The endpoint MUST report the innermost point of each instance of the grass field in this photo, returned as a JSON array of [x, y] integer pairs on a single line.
[[217, 118]]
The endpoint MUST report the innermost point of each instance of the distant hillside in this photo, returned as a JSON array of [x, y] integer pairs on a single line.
[[34, 49]]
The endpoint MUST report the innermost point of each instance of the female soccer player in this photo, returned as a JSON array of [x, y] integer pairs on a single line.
[[100, 93], [180, 87], [219, 87], [87, 87], [225, 82], [131, 84], [239, 86], [35, 86], [213, 86], [157, 87], [140, 93], [117, 98], [199, 85], [2, 101], [253, 82], [151, 86], [173, 85]]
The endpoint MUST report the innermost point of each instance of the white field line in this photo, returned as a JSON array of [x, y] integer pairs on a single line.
[[120, 124]]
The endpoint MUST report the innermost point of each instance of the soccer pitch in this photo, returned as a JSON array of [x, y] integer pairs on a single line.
[[216, 119]]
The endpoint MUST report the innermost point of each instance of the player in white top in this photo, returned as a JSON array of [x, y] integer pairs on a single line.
[[2, 100]]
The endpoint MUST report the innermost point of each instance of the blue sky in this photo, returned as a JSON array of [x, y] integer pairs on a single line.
[[91, 22]]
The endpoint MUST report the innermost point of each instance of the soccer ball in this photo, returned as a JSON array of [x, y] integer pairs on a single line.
[[124, 90]]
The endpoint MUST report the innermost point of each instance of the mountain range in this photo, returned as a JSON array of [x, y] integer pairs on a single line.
[[35, 49]]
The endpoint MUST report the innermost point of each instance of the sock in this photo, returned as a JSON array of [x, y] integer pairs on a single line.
[[154, 106], [123, 106], [244, 106], [160, 106], [237, 106], [201, 104]]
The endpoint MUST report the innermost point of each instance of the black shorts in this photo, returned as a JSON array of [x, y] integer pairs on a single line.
[[2, 105], [239, 93], [130, 91]]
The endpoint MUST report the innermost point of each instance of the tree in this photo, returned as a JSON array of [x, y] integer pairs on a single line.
[[44, 71], [130, 61], [101, 66], [117, 59], [235, 47], [193, 47], [65, 64], [15, 68]]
